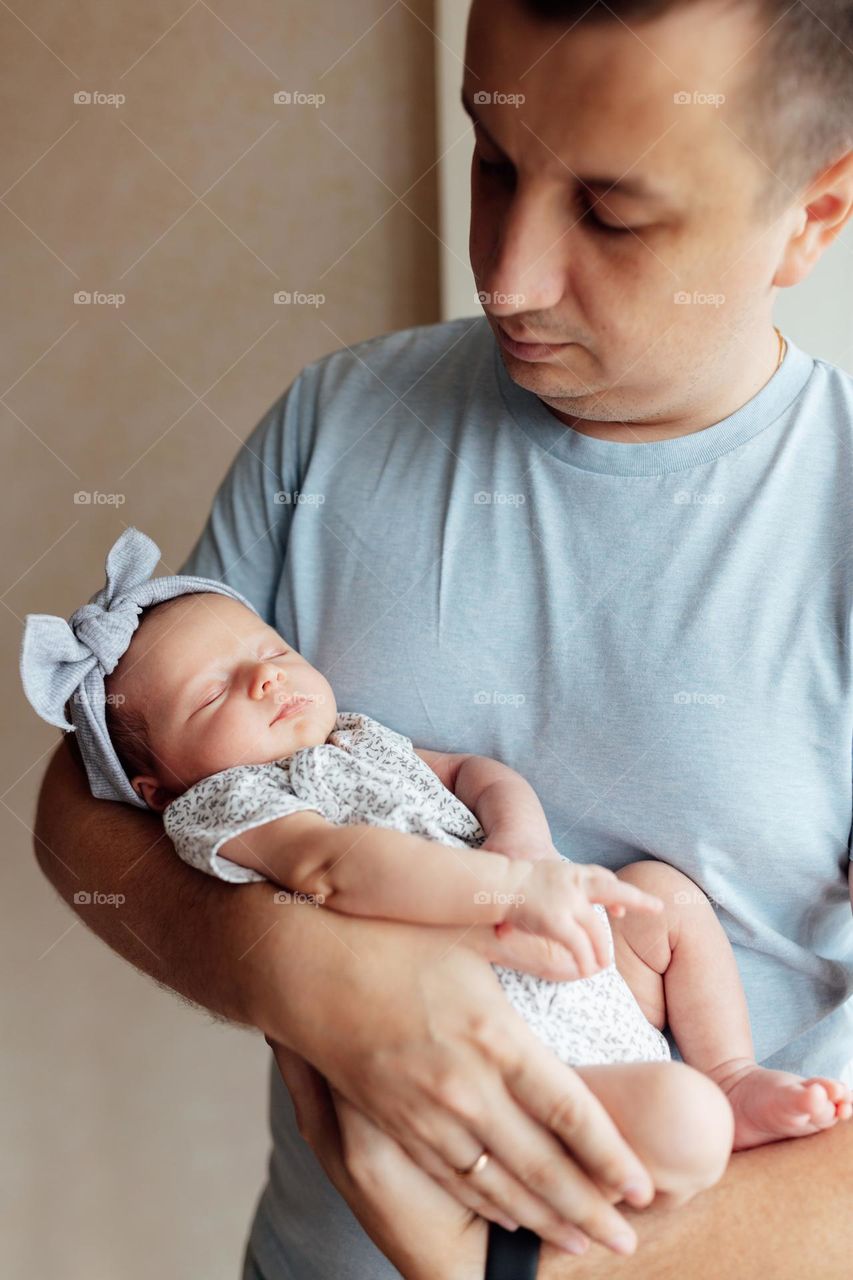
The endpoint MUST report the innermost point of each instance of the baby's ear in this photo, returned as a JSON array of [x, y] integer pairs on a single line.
[[150, 790]]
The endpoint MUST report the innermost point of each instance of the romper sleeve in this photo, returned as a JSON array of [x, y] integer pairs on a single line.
[[224, 805]]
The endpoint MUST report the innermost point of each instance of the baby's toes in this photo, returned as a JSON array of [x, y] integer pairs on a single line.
[[818, 1103], [839, 1095]]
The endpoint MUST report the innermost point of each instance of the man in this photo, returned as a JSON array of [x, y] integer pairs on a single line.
[[604, 535]]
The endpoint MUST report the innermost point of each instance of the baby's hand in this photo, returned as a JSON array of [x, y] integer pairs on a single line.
[[555, 901], [522, 847]]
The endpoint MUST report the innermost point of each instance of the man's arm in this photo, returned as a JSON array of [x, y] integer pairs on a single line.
[[404, 1020], [779, 1211], [170, 913]]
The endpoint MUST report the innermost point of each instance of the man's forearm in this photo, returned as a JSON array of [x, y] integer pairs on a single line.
[[779, 1211], [205, 940]]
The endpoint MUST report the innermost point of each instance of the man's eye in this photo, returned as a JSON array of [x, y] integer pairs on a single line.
[[496, 168], [605, 226], [589, 216]]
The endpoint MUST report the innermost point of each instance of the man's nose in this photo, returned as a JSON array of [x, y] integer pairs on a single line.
[[527, 266], [265, 676]]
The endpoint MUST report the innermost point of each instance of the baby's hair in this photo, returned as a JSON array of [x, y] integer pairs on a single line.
[[128, 728], [129, 733]]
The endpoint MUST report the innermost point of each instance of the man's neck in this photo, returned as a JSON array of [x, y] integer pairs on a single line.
[[725, 400]]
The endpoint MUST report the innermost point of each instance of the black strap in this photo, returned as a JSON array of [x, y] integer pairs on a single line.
[[512, 1255]]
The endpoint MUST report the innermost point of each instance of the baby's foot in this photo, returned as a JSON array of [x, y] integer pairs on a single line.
[[771, 1105]]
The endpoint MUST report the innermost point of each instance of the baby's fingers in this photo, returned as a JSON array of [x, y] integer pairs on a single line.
[[603, 886]]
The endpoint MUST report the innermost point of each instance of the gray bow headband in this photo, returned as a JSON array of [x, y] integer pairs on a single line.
[[66, 662]]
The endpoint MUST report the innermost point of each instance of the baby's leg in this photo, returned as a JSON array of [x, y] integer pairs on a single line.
[[676, 1120], [681, 970]]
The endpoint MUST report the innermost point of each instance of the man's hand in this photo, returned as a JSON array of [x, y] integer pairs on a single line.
[[424, 1232], [410, 1025]]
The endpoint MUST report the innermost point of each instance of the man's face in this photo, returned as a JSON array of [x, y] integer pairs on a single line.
[[608, 276]]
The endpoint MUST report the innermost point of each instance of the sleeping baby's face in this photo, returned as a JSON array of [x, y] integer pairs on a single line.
[[217, 687]]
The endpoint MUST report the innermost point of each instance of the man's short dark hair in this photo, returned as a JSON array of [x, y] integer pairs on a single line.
[[797, 94]]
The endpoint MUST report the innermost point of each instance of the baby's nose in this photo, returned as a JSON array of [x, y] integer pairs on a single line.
[[266, 678]]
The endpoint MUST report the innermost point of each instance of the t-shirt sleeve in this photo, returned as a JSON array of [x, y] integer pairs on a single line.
[[224, 805], [244, 540]]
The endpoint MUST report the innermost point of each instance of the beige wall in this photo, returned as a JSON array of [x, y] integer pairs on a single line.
[[137, 1127]]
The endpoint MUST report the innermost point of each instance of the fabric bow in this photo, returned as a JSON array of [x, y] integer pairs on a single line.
[[63, 664]]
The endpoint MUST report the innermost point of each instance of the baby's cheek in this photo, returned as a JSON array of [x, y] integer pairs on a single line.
[[237, 739]]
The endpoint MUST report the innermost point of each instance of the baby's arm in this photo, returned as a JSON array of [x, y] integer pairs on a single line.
[[373, 871], [504, 802]]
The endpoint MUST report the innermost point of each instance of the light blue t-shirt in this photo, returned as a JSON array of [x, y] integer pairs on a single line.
[[658, 636]]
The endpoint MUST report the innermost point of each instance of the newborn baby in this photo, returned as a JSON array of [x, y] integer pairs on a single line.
[[224, 728]]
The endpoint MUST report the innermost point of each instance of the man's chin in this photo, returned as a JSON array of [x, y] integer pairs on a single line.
[[551, 377]]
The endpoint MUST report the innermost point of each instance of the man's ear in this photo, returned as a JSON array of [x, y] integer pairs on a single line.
[[149, 789], [826, 209]]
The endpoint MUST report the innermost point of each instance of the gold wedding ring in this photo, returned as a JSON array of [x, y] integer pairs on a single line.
[[477, 1167]]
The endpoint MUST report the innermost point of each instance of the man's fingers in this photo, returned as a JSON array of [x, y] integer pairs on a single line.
[[312, 1100], [497, 1195], [465, 1190], [538, 1182], [560, 1100], [518, 948], [599, 935], [529, 1177], [441, 1144], [574, 935]]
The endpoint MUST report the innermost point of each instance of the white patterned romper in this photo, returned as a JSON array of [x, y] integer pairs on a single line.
[[366, 772]]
